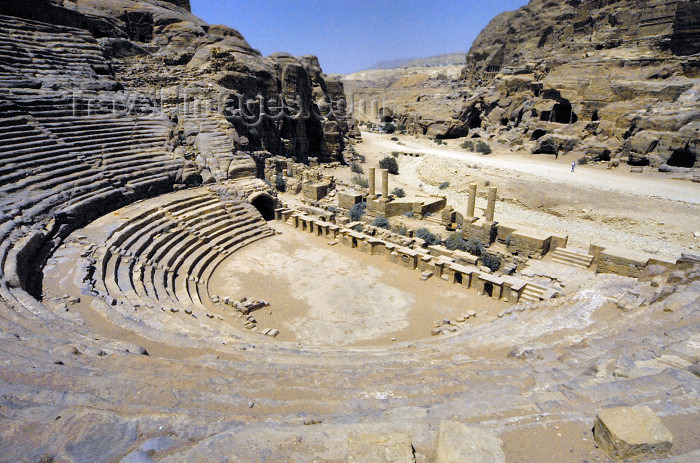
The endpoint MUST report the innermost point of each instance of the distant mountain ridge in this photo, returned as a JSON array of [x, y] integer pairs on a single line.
[[448, 59]]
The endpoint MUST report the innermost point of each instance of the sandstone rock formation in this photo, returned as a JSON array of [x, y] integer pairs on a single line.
[[111, 343], [601, 79], [458, 442], [627, 432]]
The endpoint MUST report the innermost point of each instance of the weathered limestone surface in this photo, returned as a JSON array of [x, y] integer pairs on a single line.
[[626, 432], [460, 443], [380, 448]]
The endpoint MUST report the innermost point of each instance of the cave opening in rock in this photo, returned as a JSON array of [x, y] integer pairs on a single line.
[[563, 113], [265, 205], [538, 133], [682, 158]]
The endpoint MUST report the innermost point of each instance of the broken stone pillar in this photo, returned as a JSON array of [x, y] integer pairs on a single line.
[[385, 183], [491, 206], [372, 182], [472, 200]]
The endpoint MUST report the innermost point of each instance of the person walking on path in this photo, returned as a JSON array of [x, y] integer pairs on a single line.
[[573, 166]]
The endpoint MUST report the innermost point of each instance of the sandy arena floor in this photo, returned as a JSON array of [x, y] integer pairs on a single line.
[[336, 296]]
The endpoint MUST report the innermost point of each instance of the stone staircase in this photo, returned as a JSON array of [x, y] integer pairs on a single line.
[[536, 293], [573, 258]]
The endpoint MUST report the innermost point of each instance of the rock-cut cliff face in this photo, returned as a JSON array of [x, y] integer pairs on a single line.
[[601, 78], [208, 81]]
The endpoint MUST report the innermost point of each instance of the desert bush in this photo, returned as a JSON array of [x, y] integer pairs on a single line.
[[360, 180], [439, 141], [427, 236], [408, 214], [398, 192], [389, 163], [389, 128], [401, 128], [475, 247], [361, 157], [47, 458], [281, 182], [468, 145], [582, 161], [400, 230], [491, 261], [357, 211], [455, 241], [381, 222], [395, 154], [483, 147], [394, 138], [356, 168], [444, 185]]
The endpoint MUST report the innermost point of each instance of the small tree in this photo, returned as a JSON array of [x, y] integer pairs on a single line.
[[356, 168], [491, 261], [483, 147], [427, 236], [360, 180], [280, 182], [455, 241], [468, 145], [357, 211], [398, 192], [475, 247], [381, 222], [389, 163], [444, 185], [389, 128]]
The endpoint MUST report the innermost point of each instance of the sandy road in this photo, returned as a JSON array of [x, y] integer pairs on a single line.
[[548, 170]]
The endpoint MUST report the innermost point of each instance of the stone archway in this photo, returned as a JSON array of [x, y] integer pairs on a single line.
[[265, 204]]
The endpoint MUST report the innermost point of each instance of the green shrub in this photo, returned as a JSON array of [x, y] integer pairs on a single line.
[[356, 168], [400, 230], [395, 154], [455, 241], [381, 222], [491, 261], [394, 138], [468, 145], [475, 247], [360, 180], [398, 192], [582, 161], [389, 128], [483, 147], [444, 185], [389, 163], [281, 182], [357, 211], [427, 236], [439, 141], [361, 157], [401, 128]]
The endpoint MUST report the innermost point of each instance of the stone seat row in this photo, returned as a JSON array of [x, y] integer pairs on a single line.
[[166, 255]]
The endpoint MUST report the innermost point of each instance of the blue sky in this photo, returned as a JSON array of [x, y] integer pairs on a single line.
[[351, 35]]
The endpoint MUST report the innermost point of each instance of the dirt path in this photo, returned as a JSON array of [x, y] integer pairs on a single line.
[[649, 211], [542, 168]]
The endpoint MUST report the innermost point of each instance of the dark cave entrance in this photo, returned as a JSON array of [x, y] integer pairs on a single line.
[[265, 205], [682, 158]]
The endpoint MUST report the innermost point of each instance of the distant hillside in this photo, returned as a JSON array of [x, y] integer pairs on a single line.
[[449, 59]]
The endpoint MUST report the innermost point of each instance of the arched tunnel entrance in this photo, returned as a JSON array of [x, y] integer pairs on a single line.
[[264, 204]]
